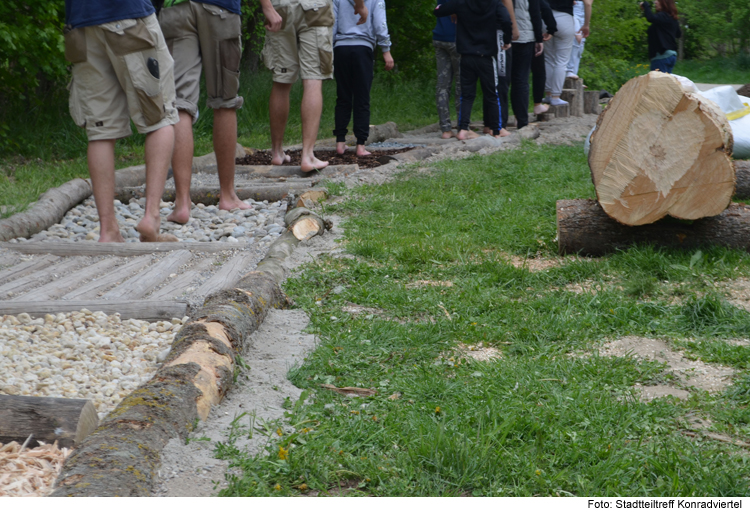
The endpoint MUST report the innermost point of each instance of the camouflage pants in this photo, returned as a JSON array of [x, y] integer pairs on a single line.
[[448, 70]]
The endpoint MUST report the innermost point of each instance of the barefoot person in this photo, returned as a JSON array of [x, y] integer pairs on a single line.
[[206, 36], [302, 48], [122, 70], [476, 41], [353, 68], [448, 70]]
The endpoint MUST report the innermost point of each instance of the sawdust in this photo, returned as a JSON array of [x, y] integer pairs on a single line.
[[31, 471]]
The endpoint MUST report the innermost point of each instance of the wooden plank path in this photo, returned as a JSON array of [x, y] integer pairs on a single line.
[[149, 281]]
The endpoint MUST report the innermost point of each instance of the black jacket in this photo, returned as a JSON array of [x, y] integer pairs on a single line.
[[662, 33], [478, 22], [548, 17]]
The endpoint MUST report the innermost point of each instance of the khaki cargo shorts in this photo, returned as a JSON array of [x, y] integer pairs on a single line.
[[204, 36], [121, 71], [304, 46]]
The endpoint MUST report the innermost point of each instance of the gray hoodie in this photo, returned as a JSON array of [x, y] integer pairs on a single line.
[[346, 32]]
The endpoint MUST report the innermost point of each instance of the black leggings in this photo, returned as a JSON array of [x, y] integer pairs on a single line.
[[353, 71], [475, 67]]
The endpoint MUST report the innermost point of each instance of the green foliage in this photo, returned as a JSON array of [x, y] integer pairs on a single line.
[[715, 27], [31, 47], [410, 23]]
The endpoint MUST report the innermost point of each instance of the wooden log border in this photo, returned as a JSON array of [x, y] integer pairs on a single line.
[[122, 456]]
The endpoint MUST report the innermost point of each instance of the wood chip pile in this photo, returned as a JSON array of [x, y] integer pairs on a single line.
[[29, 472]]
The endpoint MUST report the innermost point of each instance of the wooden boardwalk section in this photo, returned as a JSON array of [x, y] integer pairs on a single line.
[[150, 281]]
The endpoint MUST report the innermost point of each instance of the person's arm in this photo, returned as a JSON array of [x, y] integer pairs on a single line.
[[548, 17], [380, 24], [503, 23], [447, 8], [536, 20], [273, 19], [335, 19], [361, 10], [586, 17], [512, 12]]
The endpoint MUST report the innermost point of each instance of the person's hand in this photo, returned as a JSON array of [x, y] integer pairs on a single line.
[[388, 60], [546, 36], [505, 47], [538, 49], [579, 37], [515, 33], [273, 19], [362, 12], [454, 19], [585, 31]]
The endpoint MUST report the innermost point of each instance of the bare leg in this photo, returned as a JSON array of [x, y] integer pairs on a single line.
[[312, 108], [225, 146], [279, 110], [101, 160], [159, 145], [182, 168]]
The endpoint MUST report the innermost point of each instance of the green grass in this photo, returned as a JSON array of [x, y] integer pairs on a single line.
[[549, 418], [717, 71]]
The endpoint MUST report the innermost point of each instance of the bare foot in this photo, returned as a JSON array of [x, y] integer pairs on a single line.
[[233, 204], [111, 238], [540, 108], [308, 165], [280, 158], [487, 131], [447, 135], [341, 148], [361, 151], [503, 133], [181, 216], [466, 134]]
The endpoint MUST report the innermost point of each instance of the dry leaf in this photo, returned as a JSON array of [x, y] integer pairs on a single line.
[[352, 391]]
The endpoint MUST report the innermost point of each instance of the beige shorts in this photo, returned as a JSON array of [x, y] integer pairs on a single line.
[[121, 71], [304, 46], [204, 36]]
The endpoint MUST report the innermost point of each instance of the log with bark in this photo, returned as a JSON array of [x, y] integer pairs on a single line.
[[48, 419], [584, 228], [659, 151], [742, 173], [48, 210]]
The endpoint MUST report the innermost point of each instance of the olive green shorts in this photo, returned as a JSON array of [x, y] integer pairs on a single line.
[[204, 37], [304, 46], [121, 71]]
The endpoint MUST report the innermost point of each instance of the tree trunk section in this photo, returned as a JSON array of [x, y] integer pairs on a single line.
[[48, 419], [742, 172], [659, 151], [584, 228], [48, 210], [591, 103]]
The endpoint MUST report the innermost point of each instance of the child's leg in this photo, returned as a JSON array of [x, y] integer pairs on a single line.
[[361, 84], [491, 100], [468, 89], [342, 65]]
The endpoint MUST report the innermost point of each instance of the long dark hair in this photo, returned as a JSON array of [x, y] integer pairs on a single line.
[[667, 6]]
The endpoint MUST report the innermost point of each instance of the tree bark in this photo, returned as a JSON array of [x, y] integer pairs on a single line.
[[742, 173], [659, 151], [48, 419], [584, 228], [591, 103]]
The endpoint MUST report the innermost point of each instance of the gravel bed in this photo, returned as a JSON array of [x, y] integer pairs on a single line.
[[261, 224], [81, 355]]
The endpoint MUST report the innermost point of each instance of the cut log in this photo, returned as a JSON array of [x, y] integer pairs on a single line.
[[584, 228], [47, 419], [128, 309], [573, 94], [659, 151], [210, 195], [742, 173], [304, 224], [591, 103], [309, 198], [559, 111], [48, 210]]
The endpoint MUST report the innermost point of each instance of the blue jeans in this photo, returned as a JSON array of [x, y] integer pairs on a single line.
[[665, 65]]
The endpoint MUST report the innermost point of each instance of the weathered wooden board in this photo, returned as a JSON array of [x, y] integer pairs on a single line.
[[175, 287], [118, 275], [71, 282], [27, 267], [8, 259], [148, 310], [118, 248], [39, 277], [230, 272], [141, 284], [47, 419]]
